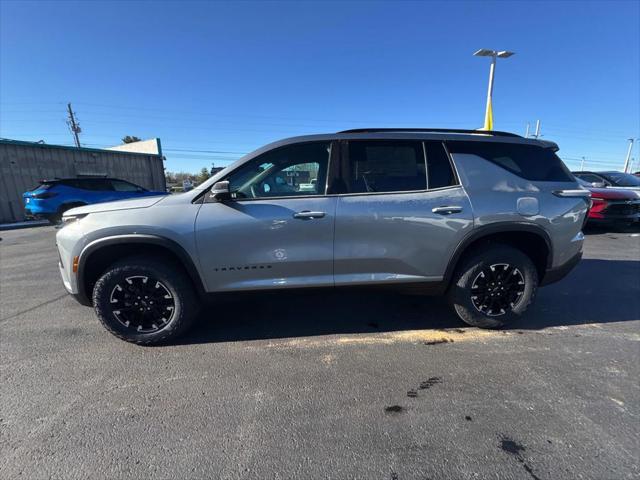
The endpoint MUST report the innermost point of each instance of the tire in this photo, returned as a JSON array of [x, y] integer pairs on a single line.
[[486, 291], [54, 218], [123, 285]]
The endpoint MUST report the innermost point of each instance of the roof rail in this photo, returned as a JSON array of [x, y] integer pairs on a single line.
[[494, 133]]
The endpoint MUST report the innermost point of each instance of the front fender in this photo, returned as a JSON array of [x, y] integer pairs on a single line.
[[95, 246]]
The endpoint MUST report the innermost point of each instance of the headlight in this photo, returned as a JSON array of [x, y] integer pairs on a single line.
[[69, 219]]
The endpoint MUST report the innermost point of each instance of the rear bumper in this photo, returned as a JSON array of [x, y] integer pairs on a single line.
[[611, 219], [39, 207], [556, 274], [37, 213]]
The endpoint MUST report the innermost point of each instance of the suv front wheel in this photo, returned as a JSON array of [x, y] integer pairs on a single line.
[[493, 286], [145, 301]]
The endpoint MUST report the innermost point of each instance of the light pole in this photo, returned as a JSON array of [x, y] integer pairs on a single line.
[[488, 115], [626, 161]]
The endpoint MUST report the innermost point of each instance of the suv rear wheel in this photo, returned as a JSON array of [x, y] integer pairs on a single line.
[[493, 286], [144, 301]]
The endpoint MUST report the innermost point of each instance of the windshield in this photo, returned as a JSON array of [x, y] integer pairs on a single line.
[[622, 179]]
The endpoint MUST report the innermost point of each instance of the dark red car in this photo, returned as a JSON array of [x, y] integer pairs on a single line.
[[612, 205]]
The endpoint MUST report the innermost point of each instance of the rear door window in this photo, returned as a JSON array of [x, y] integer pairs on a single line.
[[527, 161], [439, 169], [385, 166]]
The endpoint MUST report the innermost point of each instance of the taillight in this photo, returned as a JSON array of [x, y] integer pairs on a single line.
[[598, 204], [45, 195]]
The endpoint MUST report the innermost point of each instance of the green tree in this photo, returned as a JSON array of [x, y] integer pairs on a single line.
[[131, 139], [203, 175]]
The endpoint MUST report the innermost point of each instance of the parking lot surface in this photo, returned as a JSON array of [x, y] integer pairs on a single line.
[[327, 384]]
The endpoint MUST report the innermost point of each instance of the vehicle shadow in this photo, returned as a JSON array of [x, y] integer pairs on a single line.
[[583, 297]]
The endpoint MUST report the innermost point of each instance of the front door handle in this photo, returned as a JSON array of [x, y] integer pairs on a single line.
[[448, 210], [308, 215]]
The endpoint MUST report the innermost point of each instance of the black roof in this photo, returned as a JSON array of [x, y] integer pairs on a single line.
[[596, 172], [494, 133], [75, 179]]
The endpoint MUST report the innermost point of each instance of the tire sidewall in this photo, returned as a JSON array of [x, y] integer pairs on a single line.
[[460, 292]]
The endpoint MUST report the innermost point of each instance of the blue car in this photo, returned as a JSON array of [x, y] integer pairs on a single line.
[[52, 198]]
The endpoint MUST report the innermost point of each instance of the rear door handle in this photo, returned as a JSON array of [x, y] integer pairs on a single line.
[[308, 215], [448, 210]]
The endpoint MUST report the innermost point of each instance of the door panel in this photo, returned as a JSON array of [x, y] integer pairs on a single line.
[[397, 237], [259, 244]]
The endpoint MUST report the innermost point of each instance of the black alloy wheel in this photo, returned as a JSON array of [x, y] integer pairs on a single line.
[[497, 289], [142, 304]]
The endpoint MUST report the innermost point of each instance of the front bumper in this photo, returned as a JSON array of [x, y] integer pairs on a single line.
[[66, 281], [69, 243], [556, 274]]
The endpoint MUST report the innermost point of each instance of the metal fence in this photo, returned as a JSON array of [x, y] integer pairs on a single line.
[[24, 164]]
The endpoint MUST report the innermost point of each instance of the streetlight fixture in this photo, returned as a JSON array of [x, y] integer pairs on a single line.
[[483, 52]]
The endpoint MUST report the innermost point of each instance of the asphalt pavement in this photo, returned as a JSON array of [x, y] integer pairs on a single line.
[[329, 384]]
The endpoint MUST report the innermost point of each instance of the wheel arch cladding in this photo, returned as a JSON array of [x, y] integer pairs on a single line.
[[98, 255], [529, 239]]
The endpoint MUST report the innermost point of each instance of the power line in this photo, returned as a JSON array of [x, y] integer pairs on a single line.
[[203, 151], [271, 127]]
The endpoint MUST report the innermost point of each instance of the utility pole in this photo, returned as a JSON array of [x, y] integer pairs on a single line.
[[582, 164], [74, 125], [526, 134], [626, 161]]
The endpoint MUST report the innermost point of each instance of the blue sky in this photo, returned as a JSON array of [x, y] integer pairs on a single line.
[[214, 80]]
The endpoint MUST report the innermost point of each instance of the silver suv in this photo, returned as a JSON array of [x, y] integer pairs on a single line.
[[481, 217]]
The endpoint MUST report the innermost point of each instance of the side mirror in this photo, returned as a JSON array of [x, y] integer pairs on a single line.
[[220, 191], [598, 184]]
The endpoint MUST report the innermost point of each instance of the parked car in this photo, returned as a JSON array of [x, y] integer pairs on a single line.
[[484, 218], [612, 205], [51, 198], [610, 179]]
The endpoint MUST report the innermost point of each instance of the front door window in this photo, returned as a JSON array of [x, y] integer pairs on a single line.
[[297, 170]]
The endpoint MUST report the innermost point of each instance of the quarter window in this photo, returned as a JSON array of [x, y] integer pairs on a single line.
[[527, 161], [385, 166], [296, 170], [122, 186]]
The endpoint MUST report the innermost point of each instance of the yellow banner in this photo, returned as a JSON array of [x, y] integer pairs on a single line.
[[488, 117]]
